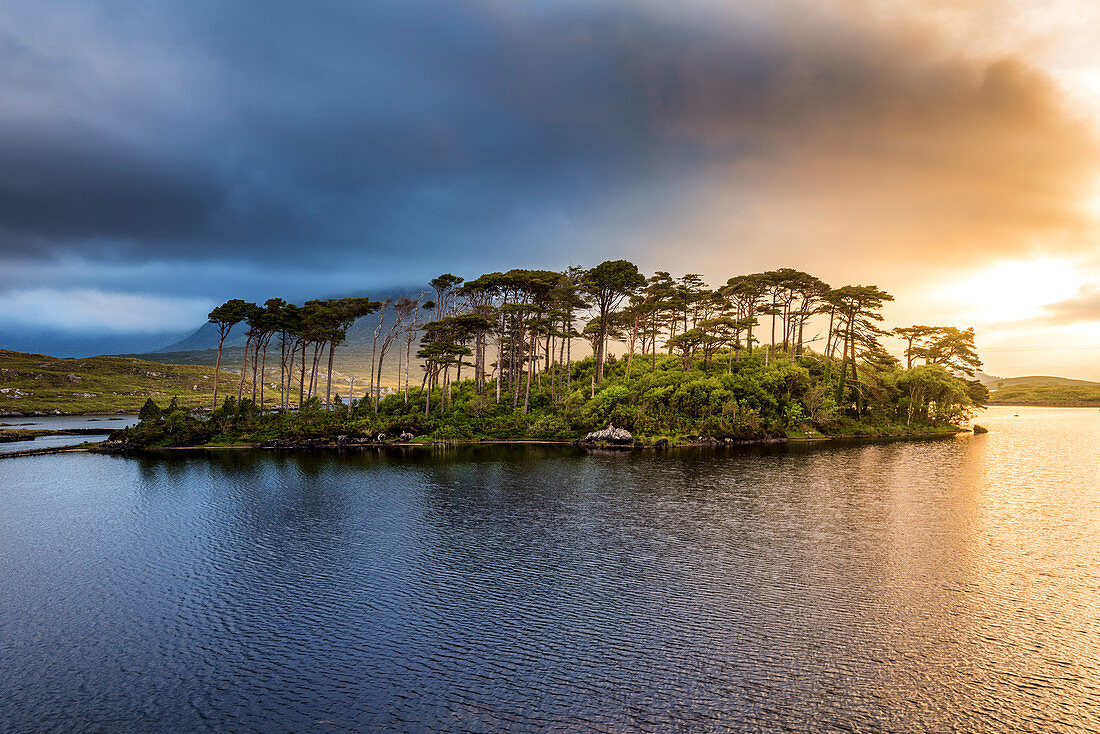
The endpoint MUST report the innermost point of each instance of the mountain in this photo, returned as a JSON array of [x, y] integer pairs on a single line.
[[70, 344], [353, 357], [204, 337]]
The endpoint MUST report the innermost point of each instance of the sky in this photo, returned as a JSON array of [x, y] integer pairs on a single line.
[[158, 158]]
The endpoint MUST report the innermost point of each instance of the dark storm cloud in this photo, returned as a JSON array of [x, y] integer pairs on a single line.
[[253, 130], [259, 130]]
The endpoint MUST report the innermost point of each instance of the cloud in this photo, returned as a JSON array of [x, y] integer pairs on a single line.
[[204, 151], [1084, 306], [86, 310], [248, 132]]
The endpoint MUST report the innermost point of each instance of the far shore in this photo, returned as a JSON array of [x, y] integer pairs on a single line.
[[993, 404]]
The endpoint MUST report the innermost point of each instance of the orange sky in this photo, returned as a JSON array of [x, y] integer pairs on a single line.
[[961, 172], [947, 151]]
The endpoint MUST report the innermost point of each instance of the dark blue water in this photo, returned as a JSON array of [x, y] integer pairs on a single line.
[[916, 586]]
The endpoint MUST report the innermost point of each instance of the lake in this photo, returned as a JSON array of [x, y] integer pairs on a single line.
[[57, 423], [901, 586]]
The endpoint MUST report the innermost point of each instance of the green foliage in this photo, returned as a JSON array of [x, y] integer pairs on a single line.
[[750, 397], [150, 411]]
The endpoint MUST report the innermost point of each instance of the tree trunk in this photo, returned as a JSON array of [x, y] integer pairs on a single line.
[[217, 368], [408, 357], [263, 375], [244, 369], [531, 366], [569, 359], [328, 378], [302, 379], [601, 350], [255, 365], [500, 356]]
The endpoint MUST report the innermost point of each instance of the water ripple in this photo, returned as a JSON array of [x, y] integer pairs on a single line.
[[948, 585]]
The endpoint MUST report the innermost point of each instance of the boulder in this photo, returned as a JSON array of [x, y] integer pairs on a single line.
[[980, 429], [611, 434], [662, 444]]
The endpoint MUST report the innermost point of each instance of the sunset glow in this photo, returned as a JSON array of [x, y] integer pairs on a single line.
[[1010, 291], [947, 152]]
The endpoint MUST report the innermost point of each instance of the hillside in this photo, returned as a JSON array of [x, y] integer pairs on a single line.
[[36, 383], [1085, 394], [999, 383], [353, 357]]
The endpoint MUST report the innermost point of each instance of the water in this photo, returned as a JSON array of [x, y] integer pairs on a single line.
[[949, 584], [60, 422]]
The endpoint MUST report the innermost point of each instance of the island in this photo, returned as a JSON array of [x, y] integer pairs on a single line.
[[496, 363]]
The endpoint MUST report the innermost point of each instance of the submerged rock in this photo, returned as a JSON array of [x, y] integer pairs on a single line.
[[980, 429]]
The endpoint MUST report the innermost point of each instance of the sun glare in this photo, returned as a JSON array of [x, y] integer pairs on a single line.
[[1015, 289]]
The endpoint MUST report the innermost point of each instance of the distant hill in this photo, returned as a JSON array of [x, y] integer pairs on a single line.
[[985, 379], [1077, 393], [36, 383], [999, 383], [205, 337], [352, 357]]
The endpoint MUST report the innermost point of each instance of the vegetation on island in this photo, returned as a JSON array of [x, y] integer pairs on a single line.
[[777, 353]]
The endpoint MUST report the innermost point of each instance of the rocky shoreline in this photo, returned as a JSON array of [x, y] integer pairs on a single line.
[[611, 438]]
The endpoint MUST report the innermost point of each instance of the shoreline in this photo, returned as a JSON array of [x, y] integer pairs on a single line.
[[100, 448], [1044, 405], [64, 414], [321, 445]]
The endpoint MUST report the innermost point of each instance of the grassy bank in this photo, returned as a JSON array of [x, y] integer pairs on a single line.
[[1047, 395], [36, 384]]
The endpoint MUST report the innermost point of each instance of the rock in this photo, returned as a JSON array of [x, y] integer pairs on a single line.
[[980, 429], [662, 444], [342, 440], [708, 441], [611, 434], [406, 436], [73, 378]]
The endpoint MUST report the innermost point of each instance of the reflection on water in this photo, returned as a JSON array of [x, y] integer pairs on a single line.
[[911, 586]]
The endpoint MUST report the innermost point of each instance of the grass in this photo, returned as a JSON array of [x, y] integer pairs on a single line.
[[35, 383], [1050, 395]]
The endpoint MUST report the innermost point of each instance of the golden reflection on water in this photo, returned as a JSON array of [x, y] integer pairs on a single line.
[[1011, 575]]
